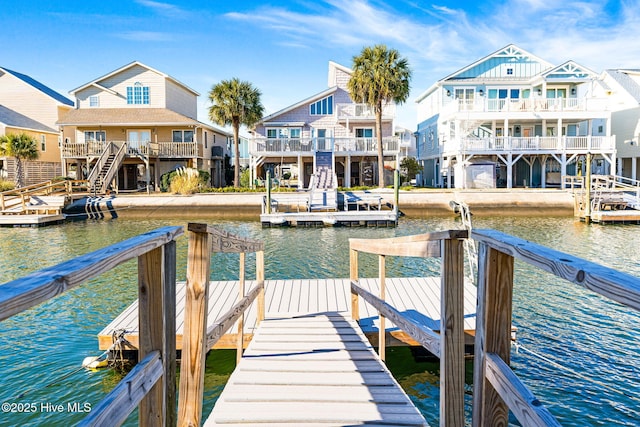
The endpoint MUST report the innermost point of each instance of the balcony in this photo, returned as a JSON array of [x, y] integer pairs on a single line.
[[536, 144], [134, 148], [363, 112], [307, 146], [525, 105]]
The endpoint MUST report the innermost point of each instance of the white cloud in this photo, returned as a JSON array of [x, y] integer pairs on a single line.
[[145, 36], [165, 9]]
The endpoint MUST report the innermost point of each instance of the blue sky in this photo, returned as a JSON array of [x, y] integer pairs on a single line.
[[283, 47]]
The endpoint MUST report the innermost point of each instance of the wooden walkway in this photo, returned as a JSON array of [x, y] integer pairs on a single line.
[[417, 297], [313, 370]]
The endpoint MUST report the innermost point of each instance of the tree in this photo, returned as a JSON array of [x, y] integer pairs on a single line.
[[235, 103], [410, 166], [21, 146], [379, 76]]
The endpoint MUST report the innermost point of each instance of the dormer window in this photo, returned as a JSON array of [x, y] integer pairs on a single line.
[[138, 94]]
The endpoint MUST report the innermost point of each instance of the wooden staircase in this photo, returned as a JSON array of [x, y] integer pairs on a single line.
[[106, 168]]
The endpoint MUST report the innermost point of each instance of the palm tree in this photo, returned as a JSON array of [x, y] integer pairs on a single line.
[[379, 76], [235, 103], [21, 146]]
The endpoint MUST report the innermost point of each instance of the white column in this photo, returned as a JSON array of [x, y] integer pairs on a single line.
[[634, 168], [300, 172], [509, 170]]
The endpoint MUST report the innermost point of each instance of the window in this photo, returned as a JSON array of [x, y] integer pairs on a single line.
[[95, 136], [182, 136], [138, 94], [94, 101], [364, 133], [284, 133], [43, 143], [322, 107]]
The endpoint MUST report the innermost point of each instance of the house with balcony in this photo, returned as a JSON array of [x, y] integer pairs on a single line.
[[622, 86], [135, 124], [325, 134], [28, 106], [512, 119]]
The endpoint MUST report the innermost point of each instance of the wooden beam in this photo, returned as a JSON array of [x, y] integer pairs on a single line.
[[217, 330], [153, 332], [452, 362], [423, 335], [618, 286], [123, 399], [421, 249], [240, 334], [382, 330], [493, 332], [260, 282], [40, 286], [169, 347], [524, 405], [225, 242], [194, 349], [353, 276]]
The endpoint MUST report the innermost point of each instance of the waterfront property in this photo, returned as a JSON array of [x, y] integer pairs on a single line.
[[135, 124], [512, 119], [324, 131], [28, 106], [151, 384]]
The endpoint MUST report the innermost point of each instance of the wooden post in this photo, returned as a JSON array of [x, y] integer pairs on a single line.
[[452, 362], [493, 332], [587, 189], [195, 323], [240, 335], [154, 310], [382, 328], [396, 190], [260, 280], [353, 277], [268, 184]]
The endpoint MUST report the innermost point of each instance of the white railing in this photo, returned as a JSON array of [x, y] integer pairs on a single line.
[[535, 143], [364, 111], [484, 105], [291, 146], [134, 148]]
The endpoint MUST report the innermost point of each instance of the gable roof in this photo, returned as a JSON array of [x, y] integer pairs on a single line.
[[312, 98], [570, 70], [14, 119], [628, 84], [97, 81], [39, 86], [509, 51]]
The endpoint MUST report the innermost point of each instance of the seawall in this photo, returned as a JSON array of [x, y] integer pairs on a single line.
[[415, 203]]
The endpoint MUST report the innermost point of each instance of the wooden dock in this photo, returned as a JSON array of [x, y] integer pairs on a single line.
[[417, 297], [32, 220], [316, 370]]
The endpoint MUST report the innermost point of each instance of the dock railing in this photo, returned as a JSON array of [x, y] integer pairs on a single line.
[[496, 388], [150, 385], [448, 345], [197, 339]]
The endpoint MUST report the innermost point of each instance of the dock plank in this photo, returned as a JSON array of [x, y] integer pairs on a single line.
[[302, 296], [316, 383]]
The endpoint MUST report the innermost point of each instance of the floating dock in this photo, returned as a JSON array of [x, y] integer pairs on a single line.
[[418, 297], [33, 220]]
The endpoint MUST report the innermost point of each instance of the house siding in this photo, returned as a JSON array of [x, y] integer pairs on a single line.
[[180, 100]]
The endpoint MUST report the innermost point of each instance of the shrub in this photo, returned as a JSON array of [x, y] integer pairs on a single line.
[[6, 185], [245, 178], [185, 181]]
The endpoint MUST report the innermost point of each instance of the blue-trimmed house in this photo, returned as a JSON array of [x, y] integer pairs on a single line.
[[512, 119]]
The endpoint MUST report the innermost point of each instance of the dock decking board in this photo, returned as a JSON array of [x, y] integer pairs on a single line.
[[302, 296], [285, 378]]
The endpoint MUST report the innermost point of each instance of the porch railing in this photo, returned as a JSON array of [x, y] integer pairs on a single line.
[[486, 105], [535, 143], [364, 111], [148, 149], [294, 146]]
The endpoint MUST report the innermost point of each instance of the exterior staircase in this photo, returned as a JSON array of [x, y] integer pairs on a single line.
[[324, 192], [106, 168]]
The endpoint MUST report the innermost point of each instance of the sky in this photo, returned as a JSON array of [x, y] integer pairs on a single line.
[[283, 47]]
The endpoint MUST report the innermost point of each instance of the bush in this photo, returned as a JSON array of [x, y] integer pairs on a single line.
[[167, 178], [6, 185], [245, 178], [185, 181]]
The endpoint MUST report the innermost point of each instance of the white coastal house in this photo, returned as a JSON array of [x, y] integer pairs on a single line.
[[326, 131], [622, 86], [512, 119], [146, 121]]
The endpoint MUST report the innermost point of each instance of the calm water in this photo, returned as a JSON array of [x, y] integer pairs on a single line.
[[579, 353]]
